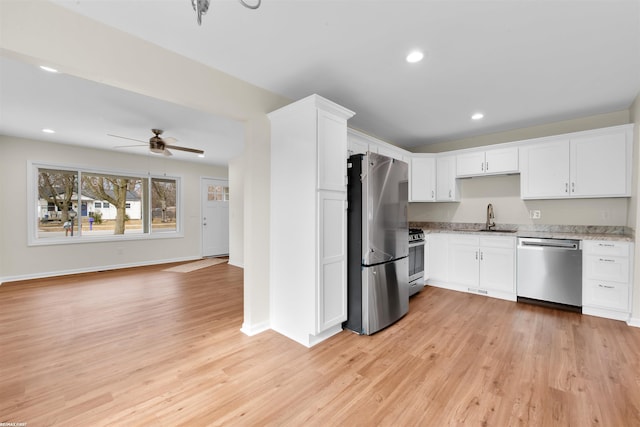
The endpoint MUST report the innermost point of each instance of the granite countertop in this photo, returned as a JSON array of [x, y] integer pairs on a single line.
[[580, 232]]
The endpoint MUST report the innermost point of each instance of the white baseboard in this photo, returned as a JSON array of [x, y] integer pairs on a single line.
[[235, 264], [634, 321], [43, 275], [252, 330]]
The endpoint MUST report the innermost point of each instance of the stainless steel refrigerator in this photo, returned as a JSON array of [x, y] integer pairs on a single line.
[[378, 242]]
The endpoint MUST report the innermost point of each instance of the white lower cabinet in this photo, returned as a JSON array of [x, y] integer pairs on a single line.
[[484, 265], [332, 280], [437, 270], [472, 263], [606, 279]]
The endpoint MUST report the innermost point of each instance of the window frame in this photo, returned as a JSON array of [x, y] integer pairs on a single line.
[[33, 169]]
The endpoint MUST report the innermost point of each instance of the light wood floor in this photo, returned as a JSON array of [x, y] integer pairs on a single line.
[[147, 347]]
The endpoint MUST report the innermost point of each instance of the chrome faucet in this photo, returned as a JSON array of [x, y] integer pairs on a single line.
[[490, 216]]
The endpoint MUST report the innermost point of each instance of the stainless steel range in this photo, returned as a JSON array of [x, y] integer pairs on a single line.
[[416, 260]]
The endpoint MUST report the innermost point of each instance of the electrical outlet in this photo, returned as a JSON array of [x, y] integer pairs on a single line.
[[535, 214]]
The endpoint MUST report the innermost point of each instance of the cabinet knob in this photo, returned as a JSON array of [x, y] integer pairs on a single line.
[[482, 167], [566, 187], [487, 167]]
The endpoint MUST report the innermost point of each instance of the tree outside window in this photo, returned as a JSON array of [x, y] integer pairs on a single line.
[[104, 204]]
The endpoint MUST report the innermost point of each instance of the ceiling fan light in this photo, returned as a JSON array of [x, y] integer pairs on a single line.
[[156, 150]]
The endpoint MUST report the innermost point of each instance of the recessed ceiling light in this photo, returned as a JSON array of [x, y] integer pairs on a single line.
[[48, 130], [49, 69], [477, 116], [415, 56]]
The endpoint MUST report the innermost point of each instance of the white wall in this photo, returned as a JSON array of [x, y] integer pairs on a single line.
[[634, 210], [236, 212], [504, 193], [19, 261]]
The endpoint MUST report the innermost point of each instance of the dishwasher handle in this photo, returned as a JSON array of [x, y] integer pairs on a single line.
[[573, 245]]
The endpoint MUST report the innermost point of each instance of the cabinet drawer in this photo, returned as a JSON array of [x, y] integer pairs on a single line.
[[463, 239], [603, 267], [618, 249], [611, 295], [498, 242]]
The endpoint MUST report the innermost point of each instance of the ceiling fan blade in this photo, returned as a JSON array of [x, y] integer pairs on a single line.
[[167, 153], [169, 140], [130, 146], [190, 150], [131, 139]]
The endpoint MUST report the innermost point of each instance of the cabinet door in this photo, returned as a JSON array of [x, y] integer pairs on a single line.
[[464, 258], [332, 270], [497, 269], [599, 166], [470, 164], [544, 170], [332, 149], [446, 186], [438, 261], [357, 146], [501, 160], [423, 179], [390, 152]]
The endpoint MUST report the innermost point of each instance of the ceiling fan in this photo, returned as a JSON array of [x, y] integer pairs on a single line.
[[160, 145]]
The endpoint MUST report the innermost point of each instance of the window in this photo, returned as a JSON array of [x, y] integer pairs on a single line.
[[218, 193], [91, 205], [163, 204]]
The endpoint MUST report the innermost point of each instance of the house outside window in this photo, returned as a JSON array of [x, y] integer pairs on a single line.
[[112, 205]]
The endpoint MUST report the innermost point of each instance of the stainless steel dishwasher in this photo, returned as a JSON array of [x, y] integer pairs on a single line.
[[550, 271]]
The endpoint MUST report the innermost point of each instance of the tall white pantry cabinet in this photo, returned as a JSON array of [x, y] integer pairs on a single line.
[[308, 266]]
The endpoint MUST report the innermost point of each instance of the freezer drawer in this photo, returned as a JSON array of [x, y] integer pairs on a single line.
[[381, 299]]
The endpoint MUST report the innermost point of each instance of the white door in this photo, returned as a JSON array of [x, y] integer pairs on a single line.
[[215, 217]]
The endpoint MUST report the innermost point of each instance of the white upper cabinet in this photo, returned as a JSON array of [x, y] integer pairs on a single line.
[[588, 164], [356, 143], [422, 179], [446, 183], [544, 170], [390, 152], [490, 162], [360, 143], [600, 165], [332, 143]]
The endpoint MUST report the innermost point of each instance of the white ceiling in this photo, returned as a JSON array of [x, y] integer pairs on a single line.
[[83, 113], [520, 62]]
